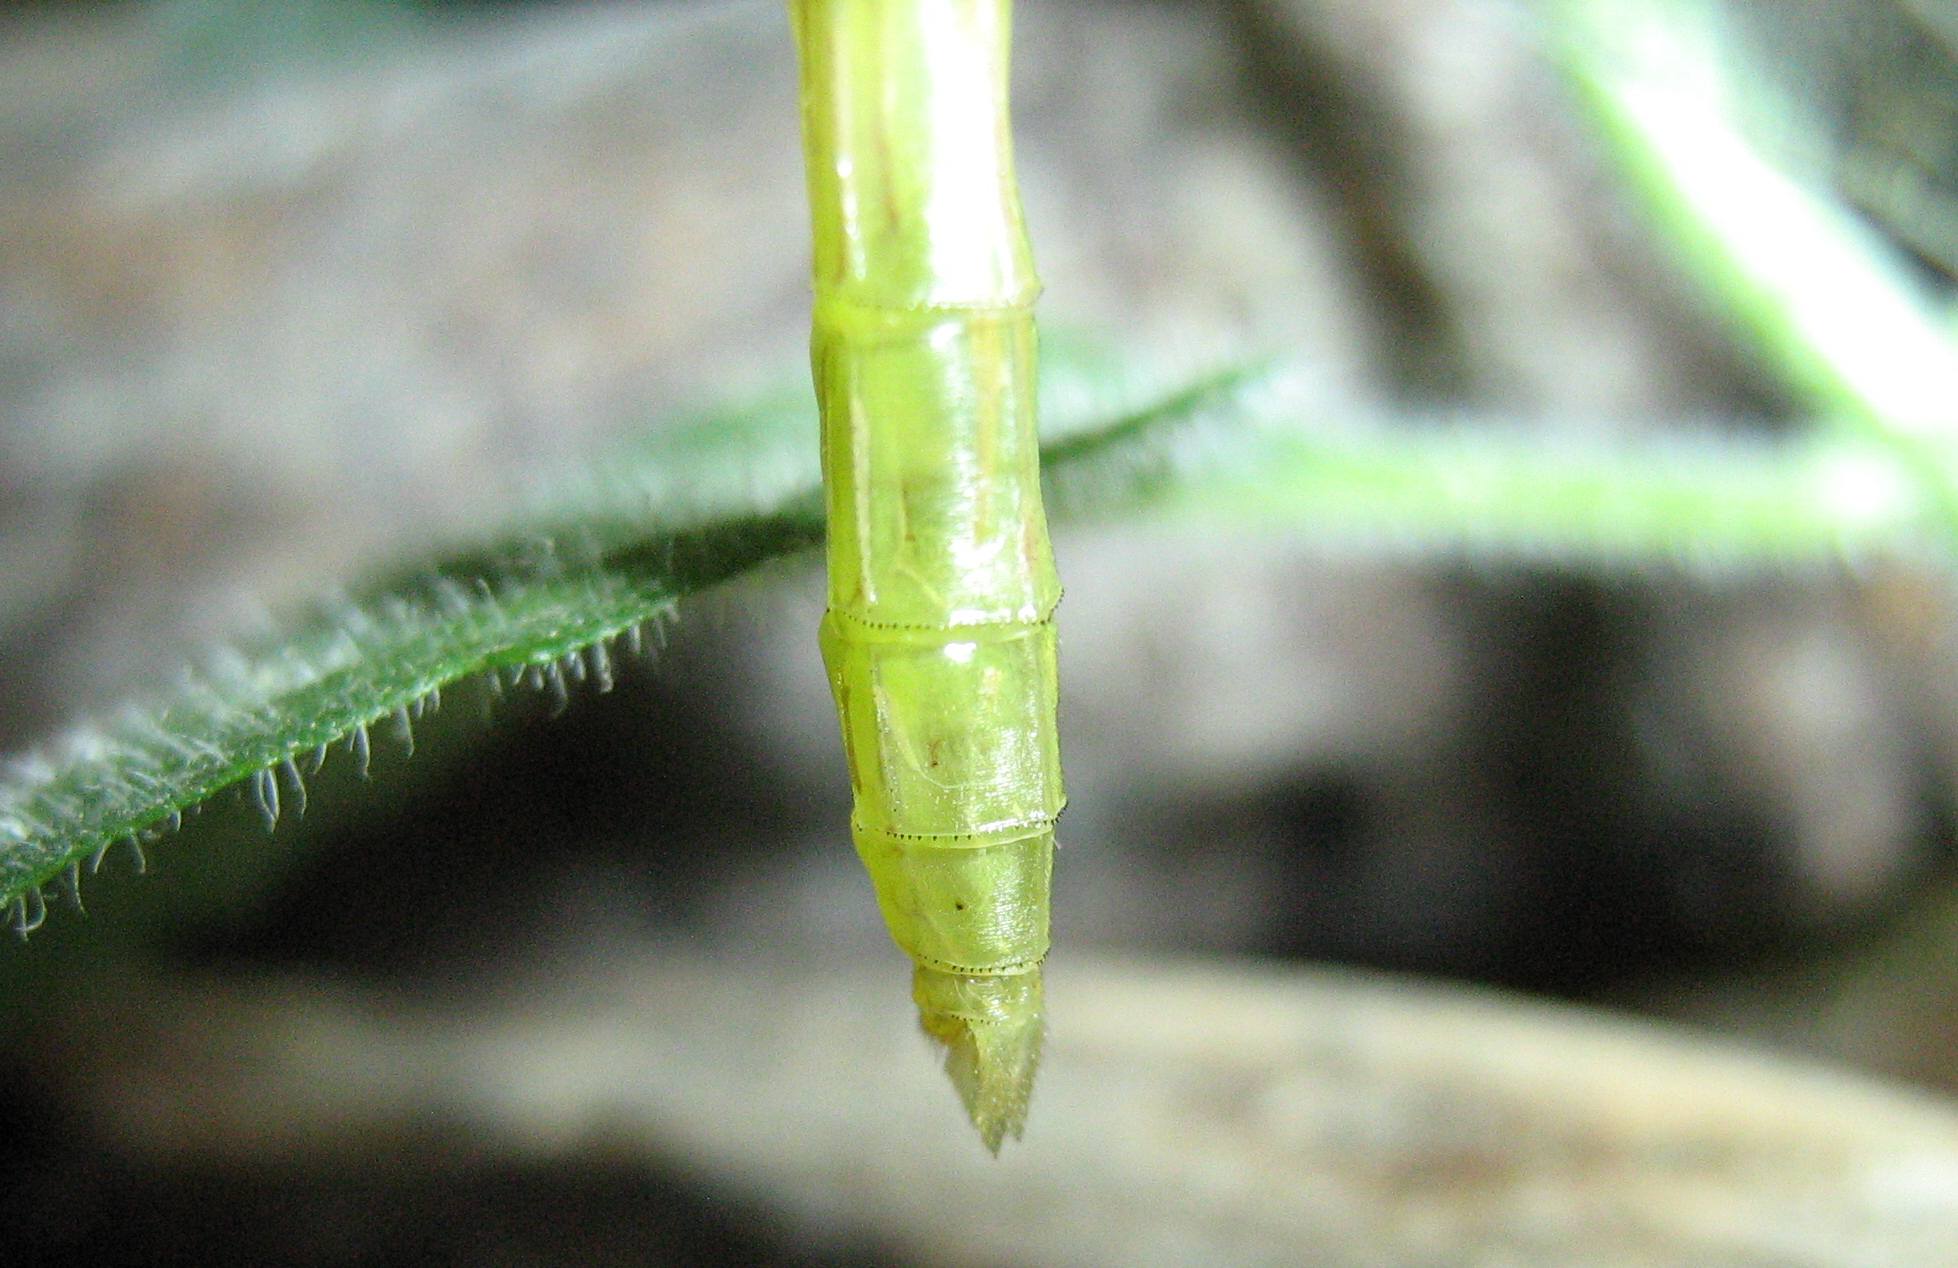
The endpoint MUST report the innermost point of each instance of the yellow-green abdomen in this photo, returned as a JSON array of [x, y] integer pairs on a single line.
[[955, 767], [939, 639]]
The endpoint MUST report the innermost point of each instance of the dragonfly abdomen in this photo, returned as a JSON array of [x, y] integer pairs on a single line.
[[939, 638], [955, 770]]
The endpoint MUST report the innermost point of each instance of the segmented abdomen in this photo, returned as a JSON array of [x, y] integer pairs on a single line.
[[939, 637]]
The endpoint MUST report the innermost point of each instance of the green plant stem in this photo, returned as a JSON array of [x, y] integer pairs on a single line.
[[1827, 305]]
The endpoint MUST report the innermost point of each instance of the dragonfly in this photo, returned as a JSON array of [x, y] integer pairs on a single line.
[[938, 638]]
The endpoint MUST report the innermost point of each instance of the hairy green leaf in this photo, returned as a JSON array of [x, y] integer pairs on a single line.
[[594, 560], [1503, 493]]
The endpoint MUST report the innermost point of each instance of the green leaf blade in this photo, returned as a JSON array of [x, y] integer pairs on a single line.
[[260, 718], [1228, 445]]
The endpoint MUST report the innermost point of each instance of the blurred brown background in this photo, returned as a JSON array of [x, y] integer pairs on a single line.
[[288, 291]]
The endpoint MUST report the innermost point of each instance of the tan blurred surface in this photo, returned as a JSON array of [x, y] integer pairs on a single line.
[[1187, 1112]]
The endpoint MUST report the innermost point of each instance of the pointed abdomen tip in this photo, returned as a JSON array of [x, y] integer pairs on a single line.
[[991, 1027]]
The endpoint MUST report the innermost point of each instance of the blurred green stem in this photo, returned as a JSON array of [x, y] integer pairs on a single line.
[[1824, 301]]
